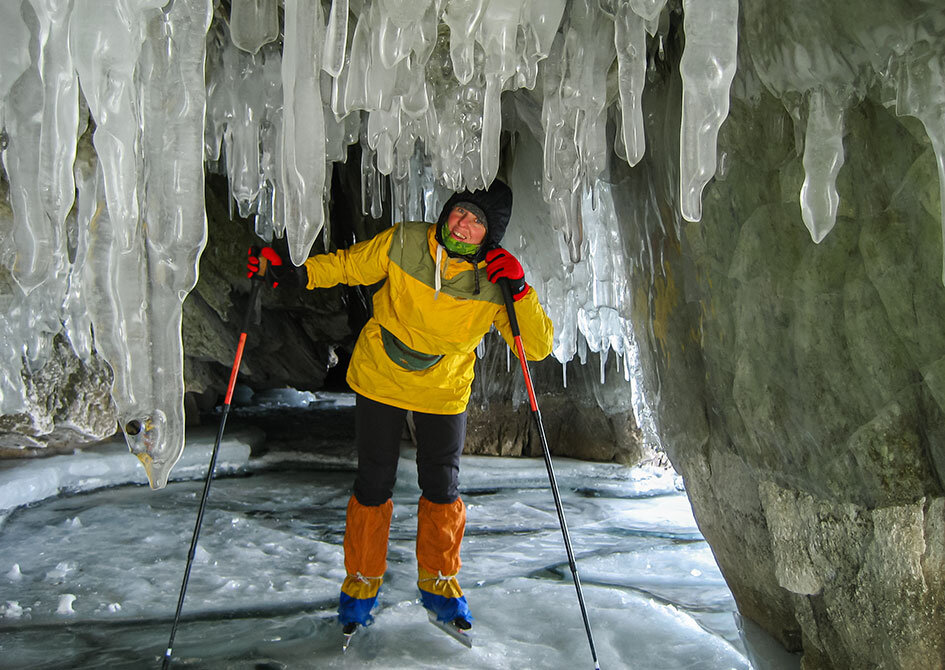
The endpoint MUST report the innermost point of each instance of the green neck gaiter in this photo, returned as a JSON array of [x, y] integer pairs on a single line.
[[454, 245]]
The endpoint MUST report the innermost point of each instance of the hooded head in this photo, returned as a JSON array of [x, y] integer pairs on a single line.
[[493, 207]]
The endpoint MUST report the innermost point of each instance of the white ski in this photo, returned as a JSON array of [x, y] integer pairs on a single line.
[[457, 634]]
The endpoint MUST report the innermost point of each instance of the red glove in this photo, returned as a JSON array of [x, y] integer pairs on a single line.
[[500, 264], [252, 266]]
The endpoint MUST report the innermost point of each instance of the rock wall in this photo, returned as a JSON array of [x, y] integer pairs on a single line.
[[585, 419], [800, 386], [293, 334]]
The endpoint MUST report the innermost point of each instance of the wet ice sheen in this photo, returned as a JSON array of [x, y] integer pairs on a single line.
[[420, 86], [101, 587]]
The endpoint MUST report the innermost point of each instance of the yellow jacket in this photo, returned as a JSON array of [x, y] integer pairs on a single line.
[[450, 322]]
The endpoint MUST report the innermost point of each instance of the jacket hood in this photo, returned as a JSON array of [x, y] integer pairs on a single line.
[[496, 204]]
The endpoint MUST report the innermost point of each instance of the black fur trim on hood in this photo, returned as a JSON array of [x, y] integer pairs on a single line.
[[495, 202]]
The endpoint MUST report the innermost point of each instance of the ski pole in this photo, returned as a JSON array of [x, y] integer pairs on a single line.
[[253, 294], [536, 414]]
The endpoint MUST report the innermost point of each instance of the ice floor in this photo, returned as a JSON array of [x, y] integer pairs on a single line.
[[89, 578]]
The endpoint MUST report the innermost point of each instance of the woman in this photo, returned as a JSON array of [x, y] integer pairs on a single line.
[[417, 353]]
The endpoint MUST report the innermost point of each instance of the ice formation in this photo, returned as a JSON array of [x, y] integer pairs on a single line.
[[108, 239], [823, 158], [707, 68]]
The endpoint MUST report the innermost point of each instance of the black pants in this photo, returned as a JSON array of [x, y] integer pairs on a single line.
[[440, 439]]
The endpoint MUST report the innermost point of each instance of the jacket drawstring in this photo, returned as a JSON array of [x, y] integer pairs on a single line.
[[438, 281]]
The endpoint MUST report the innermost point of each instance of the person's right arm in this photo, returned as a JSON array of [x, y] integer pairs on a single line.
[[363, 263]]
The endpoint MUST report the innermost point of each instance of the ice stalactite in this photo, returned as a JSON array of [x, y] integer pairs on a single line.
[[336, 38], [419, 84], [254, 23], [41, 123], [574, 116], [707, 68], [106, 41], [823, 158], [499, 30], [60, 116], [797, 53], [136, 290], [630, 41], [462, 17], [921, 93], [588, 301], [32, 240], [42, 107], [303, 143]]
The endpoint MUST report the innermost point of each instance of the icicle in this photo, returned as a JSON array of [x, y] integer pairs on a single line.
[[508, 359], [935, 127], [138, 292], [707, 68], [254, 23], [60, 116], [603, 365], [41, 119], [823, 158], [630, 40], [367, 178], [173, 104], [303, 146], [377, 195], [491, 123], [462, 17], [564, 375], [106, 40], [920, 94], [336, 38]]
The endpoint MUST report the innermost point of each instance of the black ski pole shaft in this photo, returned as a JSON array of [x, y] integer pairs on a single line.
[[254, 292], [536, 415]]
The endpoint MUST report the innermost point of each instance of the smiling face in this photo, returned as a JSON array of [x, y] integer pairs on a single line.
[[464, 226]]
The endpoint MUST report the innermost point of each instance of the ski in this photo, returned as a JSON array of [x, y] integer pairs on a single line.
[[348, 631], [452, 630]]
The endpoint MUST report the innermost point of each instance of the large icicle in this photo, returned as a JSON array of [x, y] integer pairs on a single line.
[[106, 40], [60, 112], [303, 143], [922, 94], [41, 117], [630, 40], [707, 68], [823, 158], [499, 29], [141, 290], [574, 117]]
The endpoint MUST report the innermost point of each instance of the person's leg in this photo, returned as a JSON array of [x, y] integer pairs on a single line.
[[441, 515], [378, 429]]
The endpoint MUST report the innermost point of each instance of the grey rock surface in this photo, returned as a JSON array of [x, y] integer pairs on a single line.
[[586, 420], [68, 403], [799, 385]]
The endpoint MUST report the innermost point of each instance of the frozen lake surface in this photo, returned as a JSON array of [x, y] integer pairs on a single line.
[[89, 578]]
